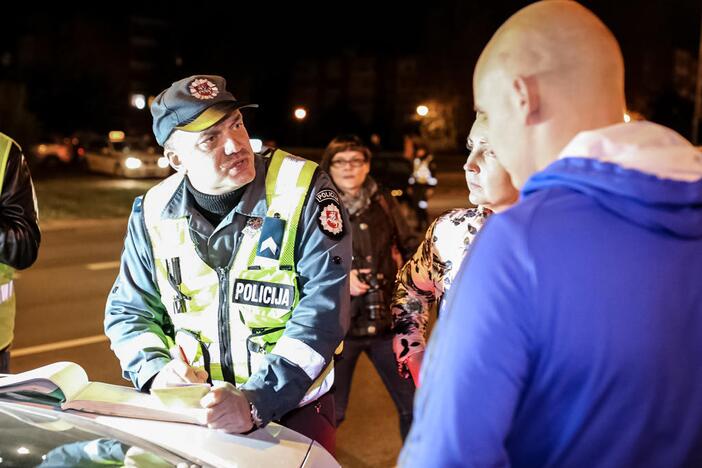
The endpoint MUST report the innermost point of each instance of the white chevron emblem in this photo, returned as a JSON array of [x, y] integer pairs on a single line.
[[269, 244]]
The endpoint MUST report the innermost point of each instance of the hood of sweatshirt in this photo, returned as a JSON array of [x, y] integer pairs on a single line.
[[640, 171]]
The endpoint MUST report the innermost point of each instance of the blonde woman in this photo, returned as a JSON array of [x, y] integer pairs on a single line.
[[427, 276]]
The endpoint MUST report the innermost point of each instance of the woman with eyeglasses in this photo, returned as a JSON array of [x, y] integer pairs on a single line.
[[381, 240], [427, 276]]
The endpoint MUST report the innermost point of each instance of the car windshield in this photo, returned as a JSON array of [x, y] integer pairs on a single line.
[[133, 145], [32, 436]]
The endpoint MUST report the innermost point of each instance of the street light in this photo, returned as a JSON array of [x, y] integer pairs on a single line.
[[422, 110], [138, 101], [300, 113]]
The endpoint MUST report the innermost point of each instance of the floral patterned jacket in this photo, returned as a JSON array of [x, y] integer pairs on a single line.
[[428, 275]]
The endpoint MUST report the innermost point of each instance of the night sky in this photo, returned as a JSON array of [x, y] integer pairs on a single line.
[[69, 63]]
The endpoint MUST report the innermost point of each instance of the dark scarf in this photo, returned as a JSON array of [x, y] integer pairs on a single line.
[[361, 201]]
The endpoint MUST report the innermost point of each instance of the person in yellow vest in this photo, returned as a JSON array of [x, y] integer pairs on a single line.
[[19, 235], [234, 271]]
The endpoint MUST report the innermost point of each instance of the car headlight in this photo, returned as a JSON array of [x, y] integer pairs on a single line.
[[162, 162], [132, 163]]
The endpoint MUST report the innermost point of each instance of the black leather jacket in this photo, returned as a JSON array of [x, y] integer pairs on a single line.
[[375, 230], [19, 226]]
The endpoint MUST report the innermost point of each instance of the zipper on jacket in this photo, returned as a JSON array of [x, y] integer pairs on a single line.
[[225, 335], [225, 355]]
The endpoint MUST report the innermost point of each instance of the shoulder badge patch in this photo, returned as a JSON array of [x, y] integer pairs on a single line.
[[329, 219], [203, 88], [271, 241]]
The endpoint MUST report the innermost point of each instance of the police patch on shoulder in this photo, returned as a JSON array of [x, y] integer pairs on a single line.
[[329, 219], [326, 194]]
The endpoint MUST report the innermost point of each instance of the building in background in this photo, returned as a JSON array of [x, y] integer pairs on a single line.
[[64, 69]]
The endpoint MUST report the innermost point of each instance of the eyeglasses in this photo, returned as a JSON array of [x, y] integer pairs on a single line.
[[339, 163]]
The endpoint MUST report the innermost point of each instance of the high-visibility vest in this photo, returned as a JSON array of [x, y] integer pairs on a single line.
[[421, 173], [7, 289], [255, 296]]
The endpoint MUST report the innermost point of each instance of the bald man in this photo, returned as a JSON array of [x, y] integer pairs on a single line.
[[573, 333]]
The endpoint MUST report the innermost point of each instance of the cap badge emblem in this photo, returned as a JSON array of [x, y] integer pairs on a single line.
[[202, 88]]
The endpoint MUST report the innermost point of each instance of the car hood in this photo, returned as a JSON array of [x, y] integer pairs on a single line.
[[271, 446]]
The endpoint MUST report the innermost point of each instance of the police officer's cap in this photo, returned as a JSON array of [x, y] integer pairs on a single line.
[[192, 104]]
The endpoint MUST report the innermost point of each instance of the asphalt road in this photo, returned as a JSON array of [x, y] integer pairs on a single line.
[[61, 303]]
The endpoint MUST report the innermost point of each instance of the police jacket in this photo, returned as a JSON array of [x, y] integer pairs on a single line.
[[19, 230], [19, 227], [138, 324]]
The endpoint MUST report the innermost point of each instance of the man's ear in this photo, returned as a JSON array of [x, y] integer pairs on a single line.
[[525, 94], [173, 159]]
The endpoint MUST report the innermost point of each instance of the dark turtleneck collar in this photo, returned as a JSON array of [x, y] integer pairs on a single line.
[[215, 207]]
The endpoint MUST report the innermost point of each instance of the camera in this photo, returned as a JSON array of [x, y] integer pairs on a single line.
[[373, 318], [374, 298]]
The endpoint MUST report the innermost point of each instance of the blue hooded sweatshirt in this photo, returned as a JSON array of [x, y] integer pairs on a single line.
[[573, 334]]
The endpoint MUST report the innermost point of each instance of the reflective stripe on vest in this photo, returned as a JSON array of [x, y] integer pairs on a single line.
[[7, 296], [7, 290], [261, 286]]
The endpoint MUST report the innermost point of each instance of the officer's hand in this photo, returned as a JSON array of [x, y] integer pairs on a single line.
[[414, 364], [227, 409], [358, 287], [178, 372]]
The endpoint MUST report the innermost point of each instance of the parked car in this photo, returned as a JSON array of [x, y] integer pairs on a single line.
[[393, 171], [127, 157], [56, 151], [35, 435]]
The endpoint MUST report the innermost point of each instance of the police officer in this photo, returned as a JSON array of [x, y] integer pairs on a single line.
[[422, 182], [234, 270], [19, 234]]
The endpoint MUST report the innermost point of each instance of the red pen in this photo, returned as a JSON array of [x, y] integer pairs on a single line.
[[182, 355]]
